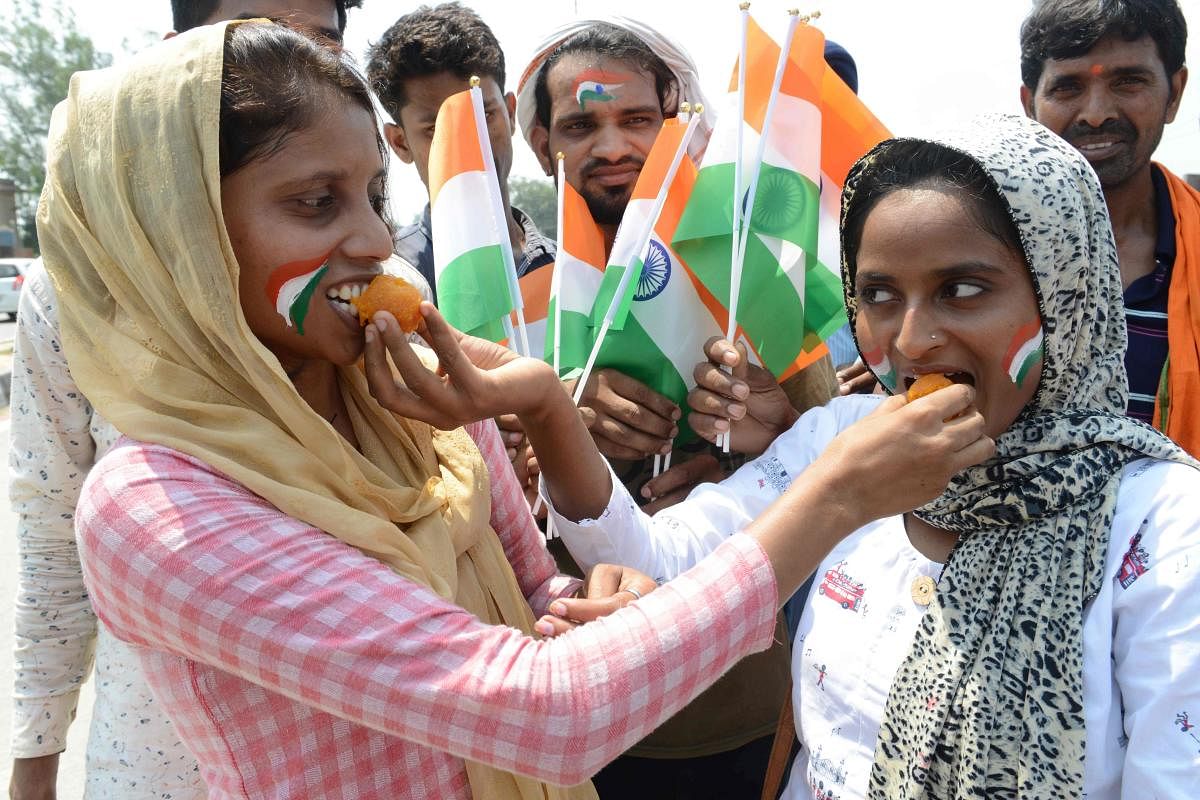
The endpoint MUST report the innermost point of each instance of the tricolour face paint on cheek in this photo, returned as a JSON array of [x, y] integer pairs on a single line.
[[878, 361], [291, 286], [596, 85], [1023, 352]]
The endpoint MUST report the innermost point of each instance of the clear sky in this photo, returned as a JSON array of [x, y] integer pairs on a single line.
[[922, 64]]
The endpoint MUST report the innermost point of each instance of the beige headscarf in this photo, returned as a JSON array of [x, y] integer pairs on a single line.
[[133, 238]]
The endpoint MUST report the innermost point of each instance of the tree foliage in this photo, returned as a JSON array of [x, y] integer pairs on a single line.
[[40, 48], [537, 198]]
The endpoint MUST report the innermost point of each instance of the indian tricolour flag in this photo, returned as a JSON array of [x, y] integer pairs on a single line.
[[787, 302], [667, 320], [472, 281], [290, 289], [580, 267], [1024, 352], [881, 365], [848, 131]]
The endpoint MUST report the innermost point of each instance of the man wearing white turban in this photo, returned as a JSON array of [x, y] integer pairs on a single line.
[[598, 91]]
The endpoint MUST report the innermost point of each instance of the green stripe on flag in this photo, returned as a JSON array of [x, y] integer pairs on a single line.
[[576, 343], [786, 205], [824, 305], [608, 288], [632, 352], [492, 331], [473, 289], [778, 321]]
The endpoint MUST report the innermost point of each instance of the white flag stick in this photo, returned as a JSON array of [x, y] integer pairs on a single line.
[[556, 278], [739, 260], [501, 220], [735, 272], [555, 288], [736, 219], [643, 245], [756, 167]]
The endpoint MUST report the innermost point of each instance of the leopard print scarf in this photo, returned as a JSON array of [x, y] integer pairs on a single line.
[[989, 701]]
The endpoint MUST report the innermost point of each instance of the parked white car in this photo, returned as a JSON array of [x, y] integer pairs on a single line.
[[12, 276]]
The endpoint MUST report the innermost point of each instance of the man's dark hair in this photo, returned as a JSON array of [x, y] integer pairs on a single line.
[[428, 41], [187, 14], [1071, 28], [610, 42]]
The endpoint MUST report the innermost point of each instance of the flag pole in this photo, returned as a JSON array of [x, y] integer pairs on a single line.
[[661, 463], [736, 218], [556, 278], [756, 171], [756, 165], [555, 289], [644, 244], [510, 267]]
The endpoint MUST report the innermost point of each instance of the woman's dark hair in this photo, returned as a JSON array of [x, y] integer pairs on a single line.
[[275, 83], [913, 163], [610, 42], [1070, 28]]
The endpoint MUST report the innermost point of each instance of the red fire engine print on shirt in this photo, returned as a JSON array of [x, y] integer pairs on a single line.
[[1135, 563], [841, 588], [1185, 726]]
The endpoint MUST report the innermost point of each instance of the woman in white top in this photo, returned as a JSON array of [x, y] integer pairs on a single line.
[[1032, 632]]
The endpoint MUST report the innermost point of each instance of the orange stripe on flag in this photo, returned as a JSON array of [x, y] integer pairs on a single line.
[[535, 290], [654, 171], [848, 128], [805, 360], [581, 237], [677, 198], [801, 75], [455, 148]]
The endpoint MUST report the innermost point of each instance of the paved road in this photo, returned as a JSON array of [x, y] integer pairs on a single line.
[[70, 776], [7, 329]]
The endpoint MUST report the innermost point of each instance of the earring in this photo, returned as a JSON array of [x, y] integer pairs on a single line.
[[933, 336]]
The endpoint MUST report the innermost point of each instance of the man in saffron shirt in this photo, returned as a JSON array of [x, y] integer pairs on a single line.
[[1108, 77]]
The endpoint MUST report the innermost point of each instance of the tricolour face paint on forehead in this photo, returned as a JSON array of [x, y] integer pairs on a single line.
[[291, 286], [596, 85], [878, 361], [1024, 351]]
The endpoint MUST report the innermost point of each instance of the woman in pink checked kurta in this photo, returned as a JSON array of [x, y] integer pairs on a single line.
[[331, 598]]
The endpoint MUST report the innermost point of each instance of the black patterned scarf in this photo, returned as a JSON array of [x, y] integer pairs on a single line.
[[989, 701]]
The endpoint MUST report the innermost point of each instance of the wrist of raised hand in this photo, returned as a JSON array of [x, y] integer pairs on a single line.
[[544, 399]]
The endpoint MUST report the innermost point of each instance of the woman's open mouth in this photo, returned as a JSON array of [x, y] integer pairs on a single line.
[[954, 377]]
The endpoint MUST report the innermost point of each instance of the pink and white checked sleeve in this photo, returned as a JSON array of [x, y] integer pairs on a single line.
[[512, 520], [182, 560]]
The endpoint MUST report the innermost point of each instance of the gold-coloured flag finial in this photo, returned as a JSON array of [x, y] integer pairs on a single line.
[[474, 81], [560, 155], [699, 109], [685, 107], [794, 12], [814, 15], [743, 6]]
